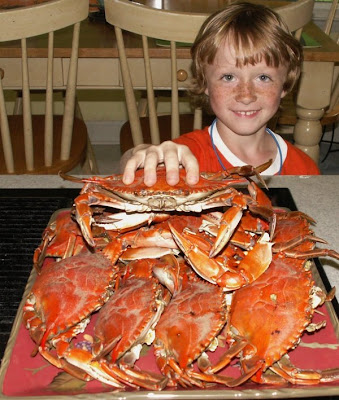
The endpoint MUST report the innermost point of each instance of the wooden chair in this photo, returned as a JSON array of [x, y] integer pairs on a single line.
[[155, 25], [329, 21], [287, 116], [152, 25], [43, 144]]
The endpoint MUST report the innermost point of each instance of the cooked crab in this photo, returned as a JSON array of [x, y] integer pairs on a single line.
[[212, 190]]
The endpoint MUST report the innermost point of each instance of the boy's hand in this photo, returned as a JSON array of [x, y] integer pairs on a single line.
[[147, 156]]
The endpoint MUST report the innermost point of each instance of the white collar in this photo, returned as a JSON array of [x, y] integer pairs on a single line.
[[235, 161]]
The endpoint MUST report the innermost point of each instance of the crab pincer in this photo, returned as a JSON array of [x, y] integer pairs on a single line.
[[250, 267]]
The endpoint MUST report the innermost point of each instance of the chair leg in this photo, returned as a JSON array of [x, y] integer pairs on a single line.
[[18, 104], [328, 141], [90, 165]]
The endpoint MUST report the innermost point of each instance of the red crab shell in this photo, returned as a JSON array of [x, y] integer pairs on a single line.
[[193, 318], [123, 324], [65, 293], [278, 308], [62, 238], [208, 182], [268, 317], [212, 190], [130, 313]]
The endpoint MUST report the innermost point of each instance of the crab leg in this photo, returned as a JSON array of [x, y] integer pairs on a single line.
[[134, 378], [245, 171], [83, 212], [123, 222], [284, 246], [205, 365], [111, 374], [249, 170], [146, 252], [294, 375], [312, 253]]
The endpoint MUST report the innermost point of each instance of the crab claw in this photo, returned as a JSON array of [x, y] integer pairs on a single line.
[[255, 263], [250, 268], [83, 360], [168, 273], [84, 218], [228, 224]]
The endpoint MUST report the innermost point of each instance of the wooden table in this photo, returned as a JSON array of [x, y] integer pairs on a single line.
[[99, 68]]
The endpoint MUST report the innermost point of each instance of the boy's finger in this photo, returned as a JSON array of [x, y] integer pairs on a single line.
[[150, 168], [172, 176], [192, 176], [190, 163], [136, 161], [128, 174], [172, 165]]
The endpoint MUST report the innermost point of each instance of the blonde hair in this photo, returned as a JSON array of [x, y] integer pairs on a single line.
[[256, 32]]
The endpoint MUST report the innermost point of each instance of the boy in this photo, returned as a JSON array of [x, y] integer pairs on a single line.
[[244, 61]]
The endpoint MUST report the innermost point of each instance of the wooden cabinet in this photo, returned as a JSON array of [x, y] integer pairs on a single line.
[[100, 73], [96, 73], [161, 71], [37, 72]]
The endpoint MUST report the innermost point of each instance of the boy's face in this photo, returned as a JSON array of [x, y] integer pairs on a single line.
[[243, 98]]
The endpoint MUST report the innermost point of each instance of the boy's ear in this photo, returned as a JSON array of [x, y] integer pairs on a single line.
[[206, 92], [283, 94]]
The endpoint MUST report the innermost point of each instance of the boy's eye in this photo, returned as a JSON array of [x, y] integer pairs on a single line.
[[264, 78], [228, 77]]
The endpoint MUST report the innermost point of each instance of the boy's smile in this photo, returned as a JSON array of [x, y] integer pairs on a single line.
[[244, 98]]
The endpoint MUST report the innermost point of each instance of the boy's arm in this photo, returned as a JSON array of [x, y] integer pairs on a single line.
[[148, 156]]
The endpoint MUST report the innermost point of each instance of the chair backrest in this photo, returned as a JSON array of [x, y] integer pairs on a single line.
[[335, 36], [173, 27], [157, 24], [27, 22], [296, 15], [330, 17]]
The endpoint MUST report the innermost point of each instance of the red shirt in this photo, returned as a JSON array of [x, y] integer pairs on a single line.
[[199, 142]]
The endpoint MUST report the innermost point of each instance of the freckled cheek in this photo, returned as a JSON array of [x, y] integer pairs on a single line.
[[218, 96], [272, 95], [269, 95]]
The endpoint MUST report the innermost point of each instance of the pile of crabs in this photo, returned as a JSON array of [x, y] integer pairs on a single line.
[[172, 267]]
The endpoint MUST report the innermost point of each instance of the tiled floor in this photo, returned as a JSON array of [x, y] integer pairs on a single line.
[[108, 159]]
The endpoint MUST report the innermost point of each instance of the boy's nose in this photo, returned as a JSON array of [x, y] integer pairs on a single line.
[[246, 93]]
